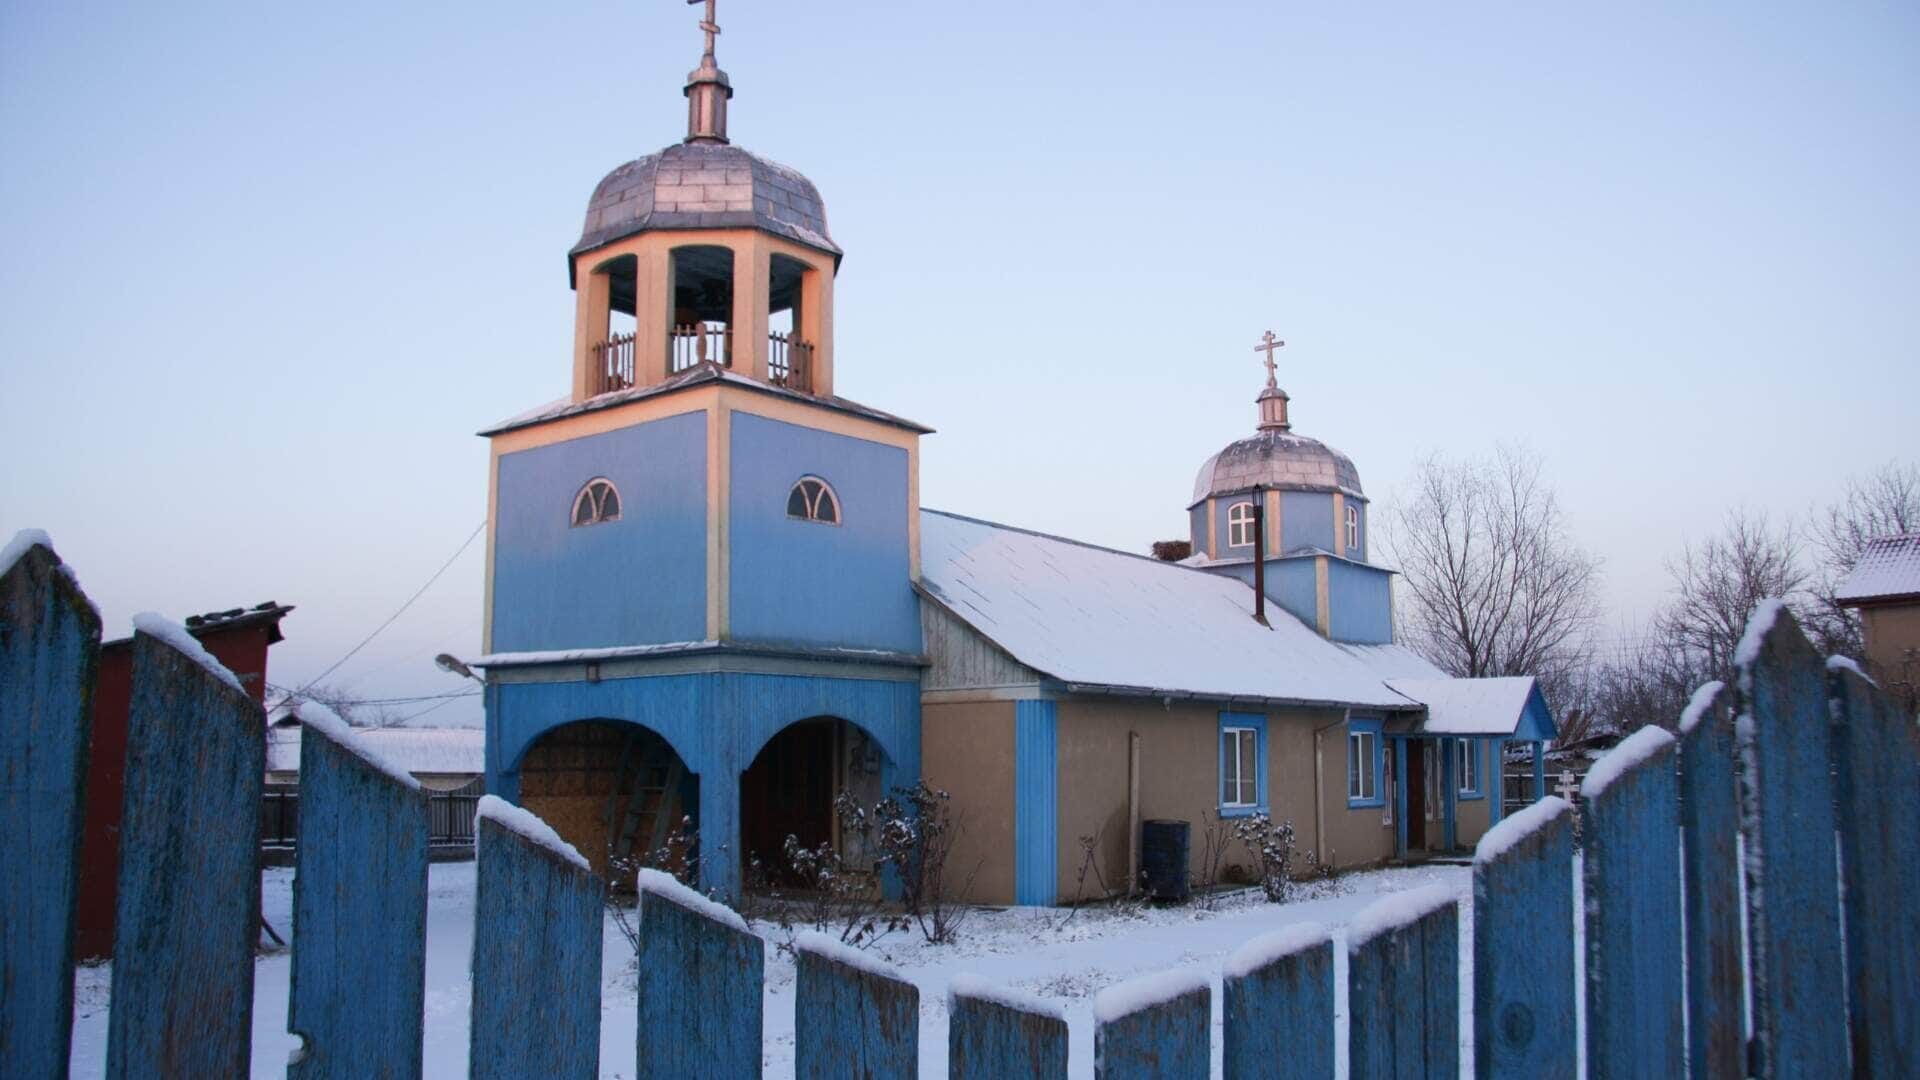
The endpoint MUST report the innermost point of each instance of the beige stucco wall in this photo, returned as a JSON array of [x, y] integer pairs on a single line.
[[1353, 837], [966, 750], [1893, 634]]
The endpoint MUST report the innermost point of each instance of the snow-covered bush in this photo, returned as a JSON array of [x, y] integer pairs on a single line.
[[1271, 845]]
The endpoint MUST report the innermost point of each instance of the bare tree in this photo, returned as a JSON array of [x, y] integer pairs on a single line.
[[1494, 585], [1717, 584], [1885, 502]]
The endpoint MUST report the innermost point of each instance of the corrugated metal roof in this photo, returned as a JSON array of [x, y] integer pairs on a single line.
[[1888, 568], [1101, 619]]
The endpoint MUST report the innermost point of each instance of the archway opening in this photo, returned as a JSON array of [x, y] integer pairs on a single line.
[[702, 330], [790, 791], [619, 793]]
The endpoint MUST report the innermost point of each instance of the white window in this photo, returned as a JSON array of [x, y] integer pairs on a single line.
[[1362, 780], [595, 503], [813, 500], [1353, 527], [1239, 766], [1240, 525], [1467, 765]]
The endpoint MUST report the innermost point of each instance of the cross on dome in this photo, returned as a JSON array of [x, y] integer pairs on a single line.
[[1268, 343], [708, 24]]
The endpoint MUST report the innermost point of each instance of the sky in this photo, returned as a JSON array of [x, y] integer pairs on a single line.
[[265, 269]]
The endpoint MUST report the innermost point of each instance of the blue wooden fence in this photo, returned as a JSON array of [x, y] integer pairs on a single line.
[[1769, 766]]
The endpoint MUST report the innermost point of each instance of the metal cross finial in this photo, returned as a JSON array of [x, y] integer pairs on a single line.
[[1268, 343], [707, 24]]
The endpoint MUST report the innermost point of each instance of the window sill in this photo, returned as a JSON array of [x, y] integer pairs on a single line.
[[1470, 796], [1365, 804], [1241, 811]]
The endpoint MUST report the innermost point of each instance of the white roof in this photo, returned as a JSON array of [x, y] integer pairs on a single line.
[[1094, 617], [420, 751], [1888, 567], [1469, 706]]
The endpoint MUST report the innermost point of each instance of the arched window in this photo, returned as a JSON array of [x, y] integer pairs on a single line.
[[812, 500], [1353, 528], [1240, 524], [597, 502]]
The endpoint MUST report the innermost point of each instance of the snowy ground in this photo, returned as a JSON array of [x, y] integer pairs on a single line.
[[1039, 950]]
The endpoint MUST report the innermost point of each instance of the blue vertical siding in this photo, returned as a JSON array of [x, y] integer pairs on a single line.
[[805, 582], [1197, 527], [1306, 520], [1360, 603], [1036, 796], [1290, 583], [639, 580]]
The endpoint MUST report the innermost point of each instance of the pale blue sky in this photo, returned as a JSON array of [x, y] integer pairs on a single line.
[[267, 267]]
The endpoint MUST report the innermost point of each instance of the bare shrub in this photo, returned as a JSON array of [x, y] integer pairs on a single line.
[[1271, 844]]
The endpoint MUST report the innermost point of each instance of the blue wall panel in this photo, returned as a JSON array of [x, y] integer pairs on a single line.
[[638, 580], [1306, 520], [1036, 795], [851, 1021], [1224, 534], [716, 722], [1197, 527], [805, 582], [1290, 583], [1360, 602]]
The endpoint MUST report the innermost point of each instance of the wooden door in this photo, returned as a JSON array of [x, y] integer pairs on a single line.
[[1414, 804]]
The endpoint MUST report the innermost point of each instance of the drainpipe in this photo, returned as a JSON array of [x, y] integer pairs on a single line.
[[1319, 789], [1260, 555]]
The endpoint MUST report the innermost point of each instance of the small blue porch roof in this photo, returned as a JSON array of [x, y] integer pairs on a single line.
[[1508, 708]]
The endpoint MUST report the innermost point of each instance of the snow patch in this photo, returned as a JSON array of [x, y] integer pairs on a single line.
[[1511, 830], [1118, 1002], [667, 887], [977, 988], [1696, 709], [16, 548], [579, 656], [1759, 624], [175, 634], [1273, 946], [1395, 910], [1634, 749], [528, 826], [827, 948], [327, 722], [1847, 663]]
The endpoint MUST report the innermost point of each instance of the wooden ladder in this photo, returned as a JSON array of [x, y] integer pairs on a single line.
[[645, 800]]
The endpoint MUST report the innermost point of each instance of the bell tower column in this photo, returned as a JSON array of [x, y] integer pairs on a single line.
[[752, 267]]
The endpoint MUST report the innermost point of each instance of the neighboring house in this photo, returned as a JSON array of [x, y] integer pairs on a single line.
[[1885, 588], [238, 638], [713, 595], [442, 759]]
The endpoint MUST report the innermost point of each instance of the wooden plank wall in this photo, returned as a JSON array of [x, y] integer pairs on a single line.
[[1159, 1026], [992, 1034], [1710, 830], [49, 647], [1403, 986], [1524, 998], [1277, 1007], [700, 982], [852, 1016]]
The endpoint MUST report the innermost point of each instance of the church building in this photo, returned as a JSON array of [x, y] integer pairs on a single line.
[[713, 595]]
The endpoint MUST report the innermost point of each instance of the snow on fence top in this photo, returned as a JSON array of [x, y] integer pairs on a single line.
[[175, 634], [1765, 614], [1511, 830], [667, 887], [326, 722], [1696, 709], [528, 826], [976, 988], [1633, 750], [1846, 663], [1125, 999], [828, 948], [17, 547], [1273, 946], [1395, 910]]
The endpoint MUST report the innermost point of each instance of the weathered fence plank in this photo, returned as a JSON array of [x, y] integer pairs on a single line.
[[1523, 982], [700, 977], [1277, 1000], [1876, 755], [1403, 986], [537, 939], [1786, 804], [993, 1032], [1630, 831], [1710, 830], [852, 1015], [359, 909], [49, 649], [1158, 1026], [188, 910]]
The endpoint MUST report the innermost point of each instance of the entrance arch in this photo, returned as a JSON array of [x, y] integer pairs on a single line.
[[790, 787], [617, 791]]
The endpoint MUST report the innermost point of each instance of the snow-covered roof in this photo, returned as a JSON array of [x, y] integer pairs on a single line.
[[1106, 620], [1496, 706], [1889, 568], [420, 751]]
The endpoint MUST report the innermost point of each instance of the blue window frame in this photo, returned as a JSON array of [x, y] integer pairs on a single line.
[[1469, 762], [1243, 764], [1364, 787]]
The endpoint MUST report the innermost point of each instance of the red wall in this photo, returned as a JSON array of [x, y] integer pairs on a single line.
[[244, 651]]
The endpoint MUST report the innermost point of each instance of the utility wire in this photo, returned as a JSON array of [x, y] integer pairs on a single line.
[[311, 683]]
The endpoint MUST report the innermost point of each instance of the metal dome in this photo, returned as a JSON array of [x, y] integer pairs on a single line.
[[706, 185], [1277, 459]]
